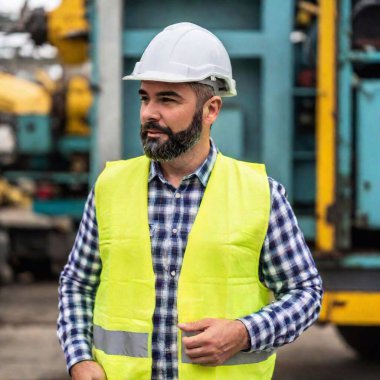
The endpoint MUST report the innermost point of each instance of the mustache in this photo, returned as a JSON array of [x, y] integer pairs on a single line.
[[153, 126]]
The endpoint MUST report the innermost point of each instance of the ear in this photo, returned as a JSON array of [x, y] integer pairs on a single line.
[[211, 110]]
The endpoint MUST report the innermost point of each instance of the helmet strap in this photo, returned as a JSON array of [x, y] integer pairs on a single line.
[[216, 83]]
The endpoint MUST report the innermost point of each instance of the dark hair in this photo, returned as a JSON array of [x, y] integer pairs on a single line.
[[202, 91]]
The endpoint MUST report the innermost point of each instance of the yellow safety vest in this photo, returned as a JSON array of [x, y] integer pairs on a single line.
[[218, 279]]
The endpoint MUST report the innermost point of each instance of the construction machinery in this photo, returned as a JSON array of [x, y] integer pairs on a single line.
[[45, 144], [348, 175], [66, 27], [44, 160]]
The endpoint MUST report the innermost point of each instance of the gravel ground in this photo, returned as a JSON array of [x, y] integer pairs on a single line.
[[29, 348]]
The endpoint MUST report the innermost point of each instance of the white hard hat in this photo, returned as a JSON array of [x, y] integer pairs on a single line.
[[185, 52]]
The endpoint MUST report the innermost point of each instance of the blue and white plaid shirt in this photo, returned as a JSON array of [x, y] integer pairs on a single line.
[[286, 267]]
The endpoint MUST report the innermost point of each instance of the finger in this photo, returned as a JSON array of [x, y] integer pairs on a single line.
[[200, 325], [195, 352], [205, 360], [193, 341]]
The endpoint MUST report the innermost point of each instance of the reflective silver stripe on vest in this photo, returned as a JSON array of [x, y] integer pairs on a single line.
[[136, 345], [239, 358], [121, 342]]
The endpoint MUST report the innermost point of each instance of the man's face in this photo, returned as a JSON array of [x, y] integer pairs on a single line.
[[171, 122]]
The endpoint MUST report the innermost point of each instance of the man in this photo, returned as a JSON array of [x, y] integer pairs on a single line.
[[178, 250]]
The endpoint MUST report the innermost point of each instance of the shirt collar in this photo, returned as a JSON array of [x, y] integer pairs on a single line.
[[202, 173]]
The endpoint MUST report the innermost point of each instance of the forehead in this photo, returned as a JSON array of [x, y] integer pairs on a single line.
[[155, 88]]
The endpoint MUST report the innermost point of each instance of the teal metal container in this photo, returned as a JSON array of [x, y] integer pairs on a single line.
[[34, 134], [58, 207]]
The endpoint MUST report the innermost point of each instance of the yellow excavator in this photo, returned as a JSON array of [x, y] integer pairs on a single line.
[[66, 27], [44, 142]]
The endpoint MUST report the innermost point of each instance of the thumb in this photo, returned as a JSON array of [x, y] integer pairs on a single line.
[[196, 326]]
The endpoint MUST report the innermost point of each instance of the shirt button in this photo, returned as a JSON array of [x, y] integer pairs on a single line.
[[178, 195], [174, 230], [172, 273]]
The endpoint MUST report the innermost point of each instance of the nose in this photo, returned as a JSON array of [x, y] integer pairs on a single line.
[[149, 112]]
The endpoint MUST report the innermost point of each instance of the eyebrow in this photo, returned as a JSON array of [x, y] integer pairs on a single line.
[[162, 93]]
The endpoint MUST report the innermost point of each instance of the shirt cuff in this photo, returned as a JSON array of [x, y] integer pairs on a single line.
[[260, 332], [77, 353]]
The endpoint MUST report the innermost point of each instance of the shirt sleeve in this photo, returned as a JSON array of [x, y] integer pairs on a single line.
[[79, 281], [287, 268]]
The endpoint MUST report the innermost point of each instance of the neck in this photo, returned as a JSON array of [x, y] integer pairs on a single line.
[[186, 163]]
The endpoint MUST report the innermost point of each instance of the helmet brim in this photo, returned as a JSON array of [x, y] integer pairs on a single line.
[[157, 76]]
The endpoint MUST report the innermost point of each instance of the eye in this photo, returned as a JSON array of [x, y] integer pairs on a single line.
[[143, 99], [166, 99]]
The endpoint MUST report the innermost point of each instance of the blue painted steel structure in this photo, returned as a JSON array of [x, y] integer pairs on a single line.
[[344, 149], [368, 155], [72, 208], [357, 173], [362, 261], [363, 178], [94, 156], [368, 57], [351, 271]]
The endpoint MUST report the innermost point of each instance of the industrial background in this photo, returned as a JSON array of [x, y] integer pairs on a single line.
[[308, 105]]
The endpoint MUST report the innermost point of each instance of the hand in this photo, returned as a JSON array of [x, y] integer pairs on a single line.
[[216, 341], [87, 370]]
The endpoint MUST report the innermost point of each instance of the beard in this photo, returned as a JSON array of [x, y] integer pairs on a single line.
[[176, 144]]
